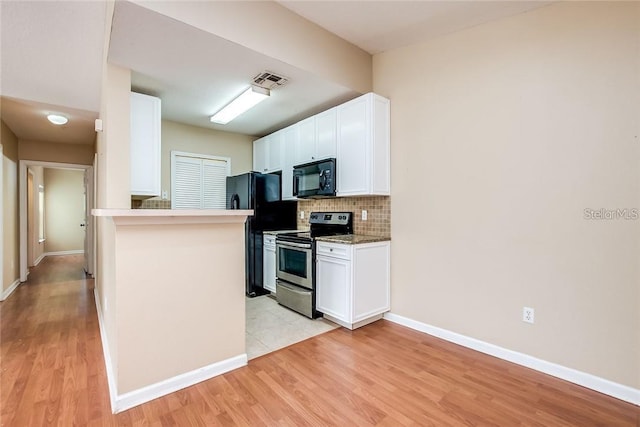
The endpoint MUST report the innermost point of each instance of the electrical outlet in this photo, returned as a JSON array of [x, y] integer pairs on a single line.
[[165, 195], [528, 314], [301, 214], [364, 215]]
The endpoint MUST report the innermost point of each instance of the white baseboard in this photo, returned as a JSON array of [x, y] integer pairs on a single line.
[[154, 391], [56, 253], [111, 379], [128, 400], [5, 294], [40, 258], [610, 388]]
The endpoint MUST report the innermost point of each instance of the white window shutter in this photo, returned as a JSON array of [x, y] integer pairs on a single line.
[[187, 183], [214, 184], [198, 181]]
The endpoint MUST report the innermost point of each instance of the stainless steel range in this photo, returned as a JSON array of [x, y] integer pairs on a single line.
[[295, 260]]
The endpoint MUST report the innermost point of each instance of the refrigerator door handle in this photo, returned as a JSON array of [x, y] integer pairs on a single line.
[[235, 201]]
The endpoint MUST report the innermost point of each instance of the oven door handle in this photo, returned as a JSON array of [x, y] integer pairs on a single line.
[[294, 245]]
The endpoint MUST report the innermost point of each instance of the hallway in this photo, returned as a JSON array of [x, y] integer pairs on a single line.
[[52, 373], [52, 365]]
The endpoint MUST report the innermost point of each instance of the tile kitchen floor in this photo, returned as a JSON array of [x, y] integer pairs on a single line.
[[271, 326]]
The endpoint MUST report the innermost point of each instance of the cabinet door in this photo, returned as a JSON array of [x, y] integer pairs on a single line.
[[145, 145], [371, 273], [275, 152], [353, 147], [333, 287], [289, 137], [306, 143], [260, 153], [269, 268], [326, 134]]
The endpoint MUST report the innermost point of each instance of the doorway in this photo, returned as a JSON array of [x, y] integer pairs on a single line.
[[33, 207]]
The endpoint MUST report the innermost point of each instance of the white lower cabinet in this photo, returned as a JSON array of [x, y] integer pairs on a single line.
[[352, 282], [269, 263]]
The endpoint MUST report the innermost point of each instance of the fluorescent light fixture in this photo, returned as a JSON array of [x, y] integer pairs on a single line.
[[57, 119], [242, 103]]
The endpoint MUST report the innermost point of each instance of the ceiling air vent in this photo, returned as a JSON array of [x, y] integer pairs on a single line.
[[269, 80]]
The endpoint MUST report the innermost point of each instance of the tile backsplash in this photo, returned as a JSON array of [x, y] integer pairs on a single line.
[[378, 209], [151, 204]]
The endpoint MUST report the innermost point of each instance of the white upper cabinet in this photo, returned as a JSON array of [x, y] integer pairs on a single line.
[[305, 147], [260, 153], [316, 138], [356, 133], [326, 134], [363, 166], [268, 153], [289, 139], [145, 145], [275, 146]]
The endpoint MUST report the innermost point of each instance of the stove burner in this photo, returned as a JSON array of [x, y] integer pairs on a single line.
[[321, 224]]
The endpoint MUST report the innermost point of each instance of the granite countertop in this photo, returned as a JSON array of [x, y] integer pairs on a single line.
[[352, 239], [173, 216]]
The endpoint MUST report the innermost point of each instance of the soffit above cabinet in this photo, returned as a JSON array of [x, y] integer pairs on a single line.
[[196, 73]]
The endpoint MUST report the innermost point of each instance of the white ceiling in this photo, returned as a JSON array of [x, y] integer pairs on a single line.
[[51, 56], [28, 120], [377, 26], [51, 60], [196, 73]]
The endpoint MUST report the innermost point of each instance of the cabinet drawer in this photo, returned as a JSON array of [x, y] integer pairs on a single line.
[[333, 250]]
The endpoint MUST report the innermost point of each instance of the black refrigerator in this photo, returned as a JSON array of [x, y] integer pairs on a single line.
[[262, 193]]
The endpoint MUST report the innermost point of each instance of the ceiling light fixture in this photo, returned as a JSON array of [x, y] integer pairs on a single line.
[[242, 103], [57, 119]]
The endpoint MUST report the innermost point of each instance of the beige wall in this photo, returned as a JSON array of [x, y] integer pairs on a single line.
[[180, 311], [192, 139], [160, 321], [279, 33], [79, 154], [112, 190], [501, 136], [64, 202], [10, 236]]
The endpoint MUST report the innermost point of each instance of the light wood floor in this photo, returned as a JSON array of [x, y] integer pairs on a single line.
[[52, 373]]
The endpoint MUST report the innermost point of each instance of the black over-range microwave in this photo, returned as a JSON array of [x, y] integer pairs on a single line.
[[315, 179]]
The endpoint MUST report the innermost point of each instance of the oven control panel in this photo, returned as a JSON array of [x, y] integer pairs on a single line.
[[330, 218]]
